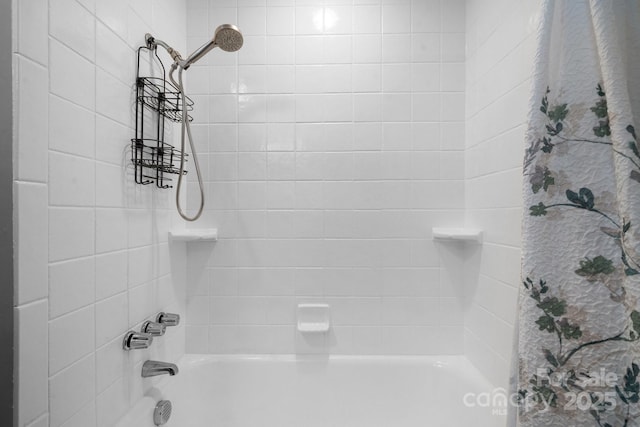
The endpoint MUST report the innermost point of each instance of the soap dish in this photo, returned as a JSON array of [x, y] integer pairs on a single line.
[[313, 318]]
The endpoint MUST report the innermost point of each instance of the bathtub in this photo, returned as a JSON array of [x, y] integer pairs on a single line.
[[331, 391]]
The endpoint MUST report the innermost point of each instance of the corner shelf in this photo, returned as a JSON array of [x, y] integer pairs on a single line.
[[470, 235], [194, 235]]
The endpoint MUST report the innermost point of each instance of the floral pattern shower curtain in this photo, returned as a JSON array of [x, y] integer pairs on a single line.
[[579, 318]]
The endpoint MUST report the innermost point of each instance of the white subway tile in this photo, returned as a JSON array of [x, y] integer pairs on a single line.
[[112, 14], [71, 286], [72, 128], [114, 55], [367, 19], [113, 98], [251, 109], [396, 77], [110, 364], [112, 403], [223, 310], [280, 195], [366, 78], [254, 51], [198, 310], [453, 16], [337, 49], [281, 136], [309, 20], [252, 195], [197, 339], [280, 166], [368, 48], [338, 19], [65, 344], [252, 166], [280, 108], [31, 152], [110, 274], [265, 282], [71, 180], [309, 50], [72, 76], [112, 318], [396, 18], [453, 77], [32, 360], [74, 26], [252, 20], [426, 77], [280, 79], [396, 107], [140, 303], [71, 233], [452, 107], [426, 47], [453, 47], [426, 107], [425, 16], [111, 230], [68, 390], [281, 50], [32, 30], [42, 421], [307, 78], [251, 79], [280, 21], [396, 136], [32, 248]]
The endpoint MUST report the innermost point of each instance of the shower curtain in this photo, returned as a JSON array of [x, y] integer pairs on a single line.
[[579, 308]]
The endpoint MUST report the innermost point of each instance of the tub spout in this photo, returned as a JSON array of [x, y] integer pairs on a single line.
[[151, 368]]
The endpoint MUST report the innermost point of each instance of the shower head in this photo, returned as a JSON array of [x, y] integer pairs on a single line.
[[227, 37]]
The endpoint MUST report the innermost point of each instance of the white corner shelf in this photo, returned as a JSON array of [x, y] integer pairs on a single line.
[[194, 235], [313, 318], [471, 235]]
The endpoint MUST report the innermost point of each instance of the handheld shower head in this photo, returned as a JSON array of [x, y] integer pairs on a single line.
[[227, 37]]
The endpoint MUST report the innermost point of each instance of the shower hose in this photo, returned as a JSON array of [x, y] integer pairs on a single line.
[[184, 134]]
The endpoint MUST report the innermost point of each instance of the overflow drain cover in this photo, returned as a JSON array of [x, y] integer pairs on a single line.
[[162, 412]]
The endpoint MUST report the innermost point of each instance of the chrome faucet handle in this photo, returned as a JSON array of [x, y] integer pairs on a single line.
[[153, 328], [136, 340], [168, 319]]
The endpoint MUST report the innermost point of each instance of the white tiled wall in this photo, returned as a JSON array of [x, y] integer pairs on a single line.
[[331, 143], [500, 51], [92, 257]]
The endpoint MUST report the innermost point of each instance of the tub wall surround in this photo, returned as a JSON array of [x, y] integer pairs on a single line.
[[500, 52], [336, 141], [332, 144], [92, 258]]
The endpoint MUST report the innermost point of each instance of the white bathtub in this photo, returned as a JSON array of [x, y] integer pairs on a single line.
[[335, 391]]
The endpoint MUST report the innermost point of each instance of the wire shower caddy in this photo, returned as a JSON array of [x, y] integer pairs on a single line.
[[157, 100]]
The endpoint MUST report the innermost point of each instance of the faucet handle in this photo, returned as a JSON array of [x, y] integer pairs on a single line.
[[153, 328], [168, 319], [136, 340]]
